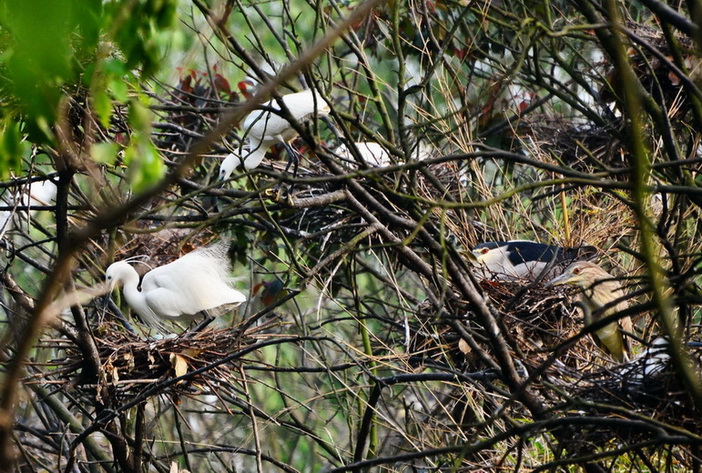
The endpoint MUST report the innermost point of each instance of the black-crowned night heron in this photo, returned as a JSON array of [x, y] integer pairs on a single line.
[[265, 128], [523, 259], [599, 288]]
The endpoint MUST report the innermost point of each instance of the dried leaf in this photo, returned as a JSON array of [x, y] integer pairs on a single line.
[[180, 365], [464, 347], [191, 352]]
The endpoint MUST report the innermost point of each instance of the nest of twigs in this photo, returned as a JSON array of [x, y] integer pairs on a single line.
[[655, 66], [163, 246], [539, 320], [584, 147], [132, 366], [648, 386]]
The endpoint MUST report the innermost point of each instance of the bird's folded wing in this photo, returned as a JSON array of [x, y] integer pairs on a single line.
[[613, 341], [187, 286]]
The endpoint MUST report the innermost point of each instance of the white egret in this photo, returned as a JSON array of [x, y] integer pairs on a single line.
[[36, 193], [523, 259], [179, 291], [267, 127], [372, 153], [599, 288], [376, 156]]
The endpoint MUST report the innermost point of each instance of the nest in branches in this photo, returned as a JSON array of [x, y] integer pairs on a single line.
[[131, 366], [539, 319], [655, 65], [160, 245], [536, 320], [584, 147], [648, 386], [442, 181]]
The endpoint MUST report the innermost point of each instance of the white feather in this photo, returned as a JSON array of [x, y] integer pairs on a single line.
[[265, 128], [196, 282]]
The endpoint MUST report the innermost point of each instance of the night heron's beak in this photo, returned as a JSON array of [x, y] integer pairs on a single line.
[[559, 280]]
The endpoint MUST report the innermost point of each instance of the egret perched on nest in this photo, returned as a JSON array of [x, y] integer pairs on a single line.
[[179, 291], [269, 126], [599, 288], [372, 153], [523, 259]]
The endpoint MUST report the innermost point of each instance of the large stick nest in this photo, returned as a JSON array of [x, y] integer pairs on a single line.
[[648, 386], [536, 321], [131, 366], [539, 319]]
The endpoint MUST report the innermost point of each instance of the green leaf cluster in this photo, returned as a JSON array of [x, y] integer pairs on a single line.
[[50, 49], [145, 163]]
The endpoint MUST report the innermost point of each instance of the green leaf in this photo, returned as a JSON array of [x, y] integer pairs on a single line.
[[41, 58], [146, 166], [11, 148], [140, 117], [102, 104], [104, 153]]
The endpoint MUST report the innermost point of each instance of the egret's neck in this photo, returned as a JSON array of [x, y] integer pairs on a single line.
[[257, 151], [136, 299]]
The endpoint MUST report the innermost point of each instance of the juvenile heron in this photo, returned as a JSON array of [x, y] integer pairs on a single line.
[[268, 127], [599, 288], [523, 259]]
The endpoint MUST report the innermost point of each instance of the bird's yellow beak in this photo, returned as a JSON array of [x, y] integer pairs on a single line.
[[565, 278]]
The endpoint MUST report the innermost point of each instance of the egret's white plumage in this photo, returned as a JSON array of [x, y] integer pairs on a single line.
[[40, 193], [37, 193], [178, 291], [372, 153], [377, 156], [267, 127]]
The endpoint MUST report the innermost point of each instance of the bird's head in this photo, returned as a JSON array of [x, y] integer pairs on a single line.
[[489, 253], [112, 275], [583, 274], [230, 163], [118, 273]]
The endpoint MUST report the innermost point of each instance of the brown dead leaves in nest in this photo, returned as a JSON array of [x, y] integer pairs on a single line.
[[131, 365]]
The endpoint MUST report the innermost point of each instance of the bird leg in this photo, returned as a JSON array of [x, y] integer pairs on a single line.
[[118, 313], [293, 158], [202, 325], [335, 131], [191, 332]]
